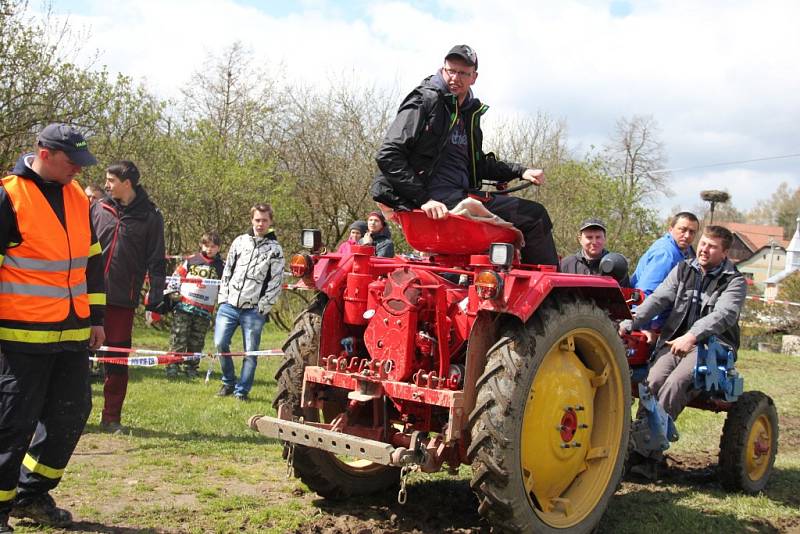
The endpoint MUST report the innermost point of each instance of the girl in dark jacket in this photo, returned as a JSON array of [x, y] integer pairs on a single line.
[[378, 235]]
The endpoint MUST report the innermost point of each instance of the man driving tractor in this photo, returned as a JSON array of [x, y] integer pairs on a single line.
[[431, 157]]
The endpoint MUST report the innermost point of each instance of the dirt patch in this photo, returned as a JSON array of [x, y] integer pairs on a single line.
[[790, 525], [788, 432], [433, 506]]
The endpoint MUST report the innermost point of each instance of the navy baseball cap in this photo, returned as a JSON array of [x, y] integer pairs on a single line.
[[69, 140], [464, 53]]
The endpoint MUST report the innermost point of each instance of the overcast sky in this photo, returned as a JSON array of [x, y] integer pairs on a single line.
[[721, 78]]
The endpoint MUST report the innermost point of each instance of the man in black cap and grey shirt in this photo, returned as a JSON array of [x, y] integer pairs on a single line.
[[51, 311], [592, 239], [431, 157]]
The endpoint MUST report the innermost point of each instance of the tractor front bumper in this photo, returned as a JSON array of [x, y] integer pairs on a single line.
[[328, 440]]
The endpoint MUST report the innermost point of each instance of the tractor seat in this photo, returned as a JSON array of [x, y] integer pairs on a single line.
[[455, 234]]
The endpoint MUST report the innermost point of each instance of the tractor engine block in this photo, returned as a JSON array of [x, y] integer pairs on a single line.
[[402, 308]]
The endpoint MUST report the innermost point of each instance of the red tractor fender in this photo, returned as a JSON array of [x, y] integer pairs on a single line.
[[524, 292]]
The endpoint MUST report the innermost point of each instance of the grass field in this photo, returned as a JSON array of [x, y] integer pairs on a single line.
[[190, 464]]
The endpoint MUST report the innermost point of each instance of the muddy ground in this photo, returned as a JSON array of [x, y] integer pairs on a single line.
[[433, 506]]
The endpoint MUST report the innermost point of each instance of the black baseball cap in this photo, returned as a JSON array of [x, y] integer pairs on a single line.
[[592, 222], [64, 137], [465, 53]]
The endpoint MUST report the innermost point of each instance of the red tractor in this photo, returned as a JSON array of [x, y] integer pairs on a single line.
[[459, 356], [462, 355]]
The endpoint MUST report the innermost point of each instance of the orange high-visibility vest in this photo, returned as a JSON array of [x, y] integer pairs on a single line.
[[43, 276]]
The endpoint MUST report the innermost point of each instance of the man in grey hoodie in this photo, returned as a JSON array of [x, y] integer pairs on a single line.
[[250, 285]]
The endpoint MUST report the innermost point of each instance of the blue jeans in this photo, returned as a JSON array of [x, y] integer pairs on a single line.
[[252, 322]]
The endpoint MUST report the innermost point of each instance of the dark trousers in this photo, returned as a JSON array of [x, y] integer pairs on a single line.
[[45, 401], [532, 219], [118, 326]]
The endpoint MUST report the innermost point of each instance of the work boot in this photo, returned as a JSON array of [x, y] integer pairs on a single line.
[[191, 372], [225, 391], [241, 397], [648, 468], [41, 509], [4, 526]]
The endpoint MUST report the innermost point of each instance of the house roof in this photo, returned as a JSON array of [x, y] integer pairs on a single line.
[[779, 277], [757, 236]]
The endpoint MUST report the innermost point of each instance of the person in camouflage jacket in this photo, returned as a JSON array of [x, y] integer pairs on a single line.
[[196, 302]]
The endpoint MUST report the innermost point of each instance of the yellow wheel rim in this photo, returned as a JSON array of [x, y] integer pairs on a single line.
[[759, 448], [572, 428], [348, 463]]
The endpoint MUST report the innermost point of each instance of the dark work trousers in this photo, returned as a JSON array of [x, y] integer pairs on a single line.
[[532, 219], [45, 401], [118, 326]]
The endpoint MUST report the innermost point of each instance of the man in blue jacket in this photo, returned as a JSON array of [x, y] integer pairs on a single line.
[[666, 252]]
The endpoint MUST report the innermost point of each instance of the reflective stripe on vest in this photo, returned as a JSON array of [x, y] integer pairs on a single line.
[[19, 335], [44, 276], [46, 265], [7, 495]]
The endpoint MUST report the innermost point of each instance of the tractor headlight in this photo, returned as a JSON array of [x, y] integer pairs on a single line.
[[312, 240], [501, 254]]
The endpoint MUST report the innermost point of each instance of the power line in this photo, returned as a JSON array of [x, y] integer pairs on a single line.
[[708, 166], [725, 163]]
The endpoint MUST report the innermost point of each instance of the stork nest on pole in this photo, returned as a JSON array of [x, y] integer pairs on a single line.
[[714, 195]]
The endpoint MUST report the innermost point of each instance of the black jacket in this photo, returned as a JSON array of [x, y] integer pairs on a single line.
[[410, 152], [382, 241], [579, 264], [132, 238]]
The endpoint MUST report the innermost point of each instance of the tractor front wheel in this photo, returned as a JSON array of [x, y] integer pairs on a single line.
[[551, 421], [330, 476], [749, 443]]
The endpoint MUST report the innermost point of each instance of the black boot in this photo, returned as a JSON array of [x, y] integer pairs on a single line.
[[4, 526], [41, 509]]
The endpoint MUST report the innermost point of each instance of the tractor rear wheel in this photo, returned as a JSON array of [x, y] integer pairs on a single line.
[[551, 421], [328, 475], [749, 443]]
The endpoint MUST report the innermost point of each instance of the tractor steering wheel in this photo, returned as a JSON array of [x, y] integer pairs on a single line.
[[524, 185]]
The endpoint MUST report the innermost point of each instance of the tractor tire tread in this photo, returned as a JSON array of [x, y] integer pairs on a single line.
[[318, 469], [733, 442], [495, 413]]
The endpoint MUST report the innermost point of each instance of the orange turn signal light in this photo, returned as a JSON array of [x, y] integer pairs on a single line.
[[488, 284], [301, 265]]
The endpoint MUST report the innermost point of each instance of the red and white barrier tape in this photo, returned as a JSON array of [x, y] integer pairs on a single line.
[[216, 282], [149, 357], [144, 361], [770, 301]]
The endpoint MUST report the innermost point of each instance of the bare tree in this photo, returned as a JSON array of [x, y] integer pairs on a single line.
[[233, 100], [782, 208], [327, 155], [635, 156]]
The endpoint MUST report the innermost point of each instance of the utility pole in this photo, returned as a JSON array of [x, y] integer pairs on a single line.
[[771, 254]]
